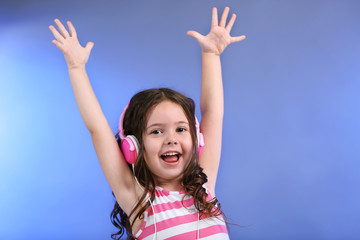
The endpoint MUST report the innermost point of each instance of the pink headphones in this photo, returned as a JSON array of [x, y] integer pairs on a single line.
[[130, 144]]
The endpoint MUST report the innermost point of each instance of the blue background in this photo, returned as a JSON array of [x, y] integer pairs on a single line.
[[290, 158]]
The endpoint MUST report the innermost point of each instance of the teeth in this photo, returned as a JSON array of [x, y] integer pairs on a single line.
[[170, 154]]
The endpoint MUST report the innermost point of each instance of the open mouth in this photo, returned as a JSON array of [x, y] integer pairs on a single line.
[[171, 157]]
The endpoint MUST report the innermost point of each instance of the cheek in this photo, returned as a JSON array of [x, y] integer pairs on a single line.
[[150, 147], [191, 140], [189, 144]]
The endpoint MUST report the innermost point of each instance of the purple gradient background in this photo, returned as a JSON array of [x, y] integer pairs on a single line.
[[290, 158]]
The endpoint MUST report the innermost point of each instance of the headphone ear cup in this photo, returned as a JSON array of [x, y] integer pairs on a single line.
[[201, 143], [200, 136], [130, 148]]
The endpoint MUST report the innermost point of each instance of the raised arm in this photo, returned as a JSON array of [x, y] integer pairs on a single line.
[[111, 159], [212, 97]]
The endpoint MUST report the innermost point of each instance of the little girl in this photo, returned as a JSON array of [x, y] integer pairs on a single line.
[[169, 190]]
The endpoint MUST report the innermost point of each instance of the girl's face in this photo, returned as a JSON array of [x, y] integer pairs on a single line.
[[167, 143]]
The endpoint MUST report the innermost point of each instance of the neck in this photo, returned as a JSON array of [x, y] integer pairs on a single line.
[[170, 186]]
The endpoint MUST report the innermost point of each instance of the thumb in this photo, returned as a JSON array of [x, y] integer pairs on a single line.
[[195, 35], [89, 46]]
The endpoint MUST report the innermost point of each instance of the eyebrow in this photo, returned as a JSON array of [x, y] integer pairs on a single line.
[[162, 124]]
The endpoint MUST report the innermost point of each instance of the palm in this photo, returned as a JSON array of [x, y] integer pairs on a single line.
[[219, 37], [74, 53], [216, 41]]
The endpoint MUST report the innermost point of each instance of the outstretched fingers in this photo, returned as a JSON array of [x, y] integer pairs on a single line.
[[231, 22], [230, 25], [195, 35], [237, 39], [62, 29], [71, 29], [89, 46], [56, 34], [224, 17], [214, 20], [58, 44]]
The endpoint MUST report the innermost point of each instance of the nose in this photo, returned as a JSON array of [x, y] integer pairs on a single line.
[[171, 141]]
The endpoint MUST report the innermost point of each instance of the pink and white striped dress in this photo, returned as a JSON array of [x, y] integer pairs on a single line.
[[177, 220]]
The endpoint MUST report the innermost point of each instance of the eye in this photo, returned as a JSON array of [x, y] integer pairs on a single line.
[[157, 131], [181, 129]]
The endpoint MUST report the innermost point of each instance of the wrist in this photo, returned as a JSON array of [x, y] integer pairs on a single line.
[[210, 54], [76, 67]]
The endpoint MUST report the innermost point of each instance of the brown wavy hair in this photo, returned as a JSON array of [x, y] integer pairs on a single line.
[[135, 120]]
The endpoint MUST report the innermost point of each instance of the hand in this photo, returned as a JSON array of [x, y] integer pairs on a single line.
[[75, 55], [219, 37]]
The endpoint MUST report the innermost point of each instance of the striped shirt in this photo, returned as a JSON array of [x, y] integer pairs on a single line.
[[178, 220]]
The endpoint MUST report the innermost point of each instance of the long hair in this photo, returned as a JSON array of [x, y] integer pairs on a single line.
[[135, 120]]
